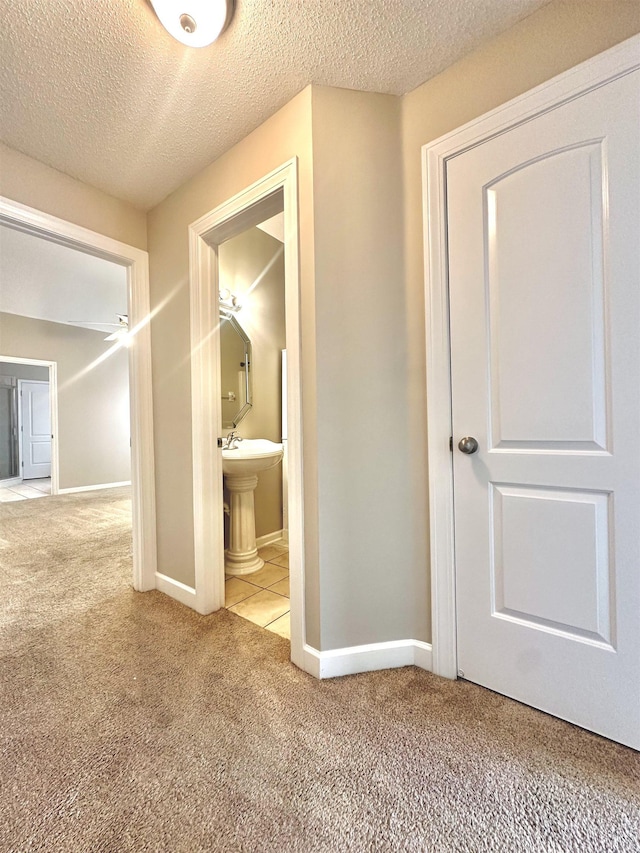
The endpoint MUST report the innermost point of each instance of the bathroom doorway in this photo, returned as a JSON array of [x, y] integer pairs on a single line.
[[271, 200], [251, 278]]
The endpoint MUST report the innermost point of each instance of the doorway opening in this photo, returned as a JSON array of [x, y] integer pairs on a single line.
[[215, 240], [62, 305], [133, 408], [251, 279], [28, 428]]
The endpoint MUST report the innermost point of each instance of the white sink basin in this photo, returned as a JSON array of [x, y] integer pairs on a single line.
[[251, 456]]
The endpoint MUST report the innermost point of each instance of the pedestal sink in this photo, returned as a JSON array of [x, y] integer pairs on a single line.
[[241, 467]]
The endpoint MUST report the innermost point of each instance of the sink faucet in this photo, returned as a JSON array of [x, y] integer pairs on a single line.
[[232, 441]]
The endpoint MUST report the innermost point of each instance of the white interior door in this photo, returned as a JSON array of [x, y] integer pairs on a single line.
[[544, 276], [36, 430]]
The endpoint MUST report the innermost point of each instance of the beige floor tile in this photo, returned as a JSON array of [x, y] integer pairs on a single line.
[[235, 590], [267, 576], [28, 491], [270, 551], [282, 587], [281, 626], [7, 495], [42, 485], [282, 560], [262, 608]]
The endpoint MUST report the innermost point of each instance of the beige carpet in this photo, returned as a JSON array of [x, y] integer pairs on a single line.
[[129, 723]]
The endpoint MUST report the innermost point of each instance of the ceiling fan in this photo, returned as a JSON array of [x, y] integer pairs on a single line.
[[121, 327]]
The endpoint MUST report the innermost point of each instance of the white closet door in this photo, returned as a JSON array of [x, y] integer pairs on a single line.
[[36, 430], [544, 265]]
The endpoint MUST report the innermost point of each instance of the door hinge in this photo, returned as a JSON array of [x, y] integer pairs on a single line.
[[451, 443], [220, 442]]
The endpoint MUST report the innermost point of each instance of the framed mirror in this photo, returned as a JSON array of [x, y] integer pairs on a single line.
[[235, 371]]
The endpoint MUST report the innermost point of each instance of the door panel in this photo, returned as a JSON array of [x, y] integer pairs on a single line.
[[36, 430], [528, 312], [544, 275], [550, 565]]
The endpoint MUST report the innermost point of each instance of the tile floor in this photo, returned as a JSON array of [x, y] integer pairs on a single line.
[[263, 597], [25, 490]]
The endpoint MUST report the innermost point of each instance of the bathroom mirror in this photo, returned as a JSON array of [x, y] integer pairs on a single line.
[[235, 370]]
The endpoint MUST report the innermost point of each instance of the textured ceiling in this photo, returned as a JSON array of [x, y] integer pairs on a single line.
[[99, 90]]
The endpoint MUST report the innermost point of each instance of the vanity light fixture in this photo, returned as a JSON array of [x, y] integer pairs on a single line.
[[228, 301], [196, 23]]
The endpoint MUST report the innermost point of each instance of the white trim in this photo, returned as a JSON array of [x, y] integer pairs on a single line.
[[136, 261], [53, 408], [423, 655], [268, 538], [592, 74], [74, 489], [230, 218], [368, 658], [10, 481], [179, 591]]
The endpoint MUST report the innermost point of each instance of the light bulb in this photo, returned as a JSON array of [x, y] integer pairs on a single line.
[[196, 23]]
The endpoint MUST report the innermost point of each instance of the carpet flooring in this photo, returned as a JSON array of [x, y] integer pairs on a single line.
[[130, 723]]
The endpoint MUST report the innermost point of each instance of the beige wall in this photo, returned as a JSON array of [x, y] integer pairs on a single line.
[[362, 584], [24, 371], [93, 407], [255, 261], [362, 315], [285, 135], [372, 587], [29, 182]]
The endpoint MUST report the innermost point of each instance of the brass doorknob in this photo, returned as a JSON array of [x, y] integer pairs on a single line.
[[468, 444]]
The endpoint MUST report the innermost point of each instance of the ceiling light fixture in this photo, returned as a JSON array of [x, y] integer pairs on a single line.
[[196, 23], [122, 334]]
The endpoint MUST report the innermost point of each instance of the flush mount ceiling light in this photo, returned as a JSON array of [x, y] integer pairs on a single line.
[[195, 23]]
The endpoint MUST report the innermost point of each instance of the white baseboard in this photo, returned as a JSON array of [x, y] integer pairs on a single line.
[[261, 541], [10, 481], [174, 589], [423, 655], [93, 488], [374, 656]]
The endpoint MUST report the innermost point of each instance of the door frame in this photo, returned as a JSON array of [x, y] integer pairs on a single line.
[[225, 221], [592, 74], [53, 416], [136, 262]]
